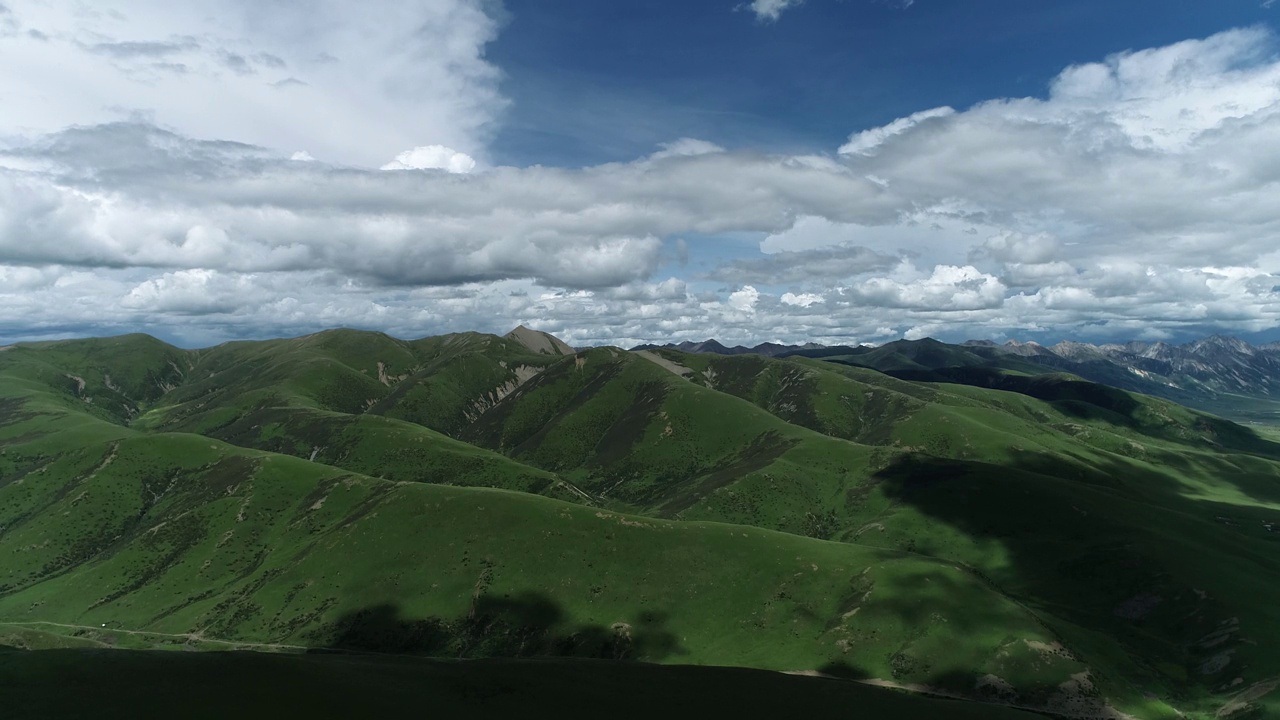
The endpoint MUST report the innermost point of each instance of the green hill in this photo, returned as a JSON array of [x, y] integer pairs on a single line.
[[181, 535], [979, 531]]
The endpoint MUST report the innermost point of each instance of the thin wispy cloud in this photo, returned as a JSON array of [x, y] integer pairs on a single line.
[[771, 10]]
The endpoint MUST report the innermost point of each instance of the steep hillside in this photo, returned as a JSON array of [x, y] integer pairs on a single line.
[[1103, 510], [359, 401], [113, 377], [636, 435]]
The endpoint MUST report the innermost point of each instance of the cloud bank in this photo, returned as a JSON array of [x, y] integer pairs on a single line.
[[1139, 197], [347, 84]]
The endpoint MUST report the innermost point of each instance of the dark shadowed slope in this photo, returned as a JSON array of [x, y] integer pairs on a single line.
[[61, 684]]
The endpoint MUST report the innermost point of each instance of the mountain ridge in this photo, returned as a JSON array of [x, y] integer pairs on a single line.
[[1204, 373]]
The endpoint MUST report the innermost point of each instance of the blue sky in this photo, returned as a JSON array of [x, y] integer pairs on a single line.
[[641, 170], [596, 82]]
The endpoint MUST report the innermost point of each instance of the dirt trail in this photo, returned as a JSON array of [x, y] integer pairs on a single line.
[[664, 363], [577, 490], [929, 691], [908, 687], [190, 637], [1245, 697]]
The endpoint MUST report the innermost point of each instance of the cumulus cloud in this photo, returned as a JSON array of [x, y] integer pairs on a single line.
[[803, 299], [193, 292], [947, 288], [389, 75], [1138, 196], [129, 194], [432, 157], [745, 299]]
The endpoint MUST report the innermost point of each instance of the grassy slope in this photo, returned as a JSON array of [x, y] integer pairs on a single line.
[[1135, 518], [181, 534], [112, 377], [321, 397], [639, 437], [1163, 546]]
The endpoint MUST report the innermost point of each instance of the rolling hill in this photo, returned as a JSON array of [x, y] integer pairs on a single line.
[[982, 531]]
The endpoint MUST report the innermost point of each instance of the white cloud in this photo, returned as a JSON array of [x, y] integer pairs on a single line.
[[432, 157], [947, 288], [352, 84], [686, 147], [803, 300], [1033, 275], [866, 142], [1165, 98], [942, 232], [1139, 196], [744, 299], [131, 195], [1015, 247], [771, 10], [194, 292], [819, 265]]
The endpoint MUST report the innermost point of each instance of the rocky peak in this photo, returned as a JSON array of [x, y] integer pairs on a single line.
[[539, 342]]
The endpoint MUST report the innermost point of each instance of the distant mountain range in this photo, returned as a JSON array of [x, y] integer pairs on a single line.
[[714, 346], [1220, 374]]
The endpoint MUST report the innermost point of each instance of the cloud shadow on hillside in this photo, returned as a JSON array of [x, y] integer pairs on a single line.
[[528, 625], [1089, 539], [1095, 402]]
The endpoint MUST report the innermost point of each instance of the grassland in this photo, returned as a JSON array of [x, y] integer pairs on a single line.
[[1031, 540]]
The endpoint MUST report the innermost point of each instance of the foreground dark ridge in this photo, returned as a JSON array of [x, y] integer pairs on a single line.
[[124, 684]]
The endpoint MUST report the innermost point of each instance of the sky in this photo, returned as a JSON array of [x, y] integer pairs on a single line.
[[834, 171]]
